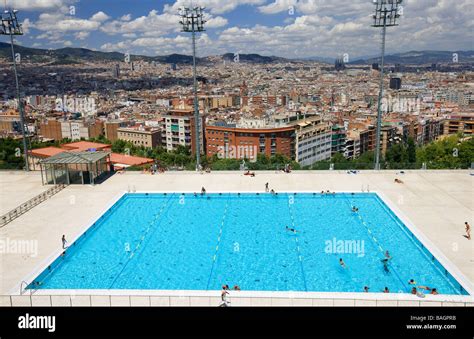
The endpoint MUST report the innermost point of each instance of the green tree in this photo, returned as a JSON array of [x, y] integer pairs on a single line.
[[411, 150]]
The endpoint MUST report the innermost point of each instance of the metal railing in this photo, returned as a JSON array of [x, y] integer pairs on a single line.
[[23, 290], [25, 207]]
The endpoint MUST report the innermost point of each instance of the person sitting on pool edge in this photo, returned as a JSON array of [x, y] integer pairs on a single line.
[[342, 263], [203, 191]]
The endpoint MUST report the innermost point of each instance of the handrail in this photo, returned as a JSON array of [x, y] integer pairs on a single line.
[[21, 287], [26, 206]]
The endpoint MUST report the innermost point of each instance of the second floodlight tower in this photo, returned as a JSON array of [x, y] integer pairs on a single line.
[[193, 21], [386, 15]]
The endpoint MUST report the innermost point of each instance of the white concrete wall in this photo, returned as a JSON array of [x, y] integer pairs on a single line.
[[211, 301]]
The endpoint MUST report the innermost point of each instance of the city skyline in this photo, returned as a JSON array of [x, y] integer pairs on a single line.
[[285, 28]]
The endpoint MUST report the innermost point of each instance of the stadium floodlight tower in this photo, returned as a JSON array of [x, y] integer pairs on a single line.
[[10, 26], [193, 21], [386, 15]]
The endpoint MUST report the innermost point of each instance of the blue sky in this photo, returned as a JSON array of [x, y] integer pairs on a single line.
[[289, 28]]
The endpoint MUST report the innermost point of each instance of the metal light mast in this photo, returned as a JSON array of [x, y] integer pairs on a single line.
[[386, 15], [10, 26], [192, 21]]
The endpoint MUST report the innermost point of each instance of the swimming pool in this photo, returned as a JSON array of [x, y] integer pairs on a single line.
[[177, 241]]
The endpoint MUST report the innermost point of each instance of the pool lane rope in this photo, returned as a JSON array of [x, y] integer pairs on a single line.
[[143, 237], [369, 231], [219, 237], [300, 257]]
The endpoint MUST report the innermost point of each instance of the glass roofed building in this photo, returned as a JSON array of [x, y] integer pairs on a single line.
[[75, 168]]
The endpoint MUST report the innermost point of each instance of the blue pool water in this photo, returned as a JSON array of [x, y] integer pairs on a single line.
[[176, 241]]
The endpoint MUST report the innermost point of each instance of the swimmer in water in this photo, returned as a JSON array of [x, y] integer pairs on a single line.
[[342, 263], [291, 229]]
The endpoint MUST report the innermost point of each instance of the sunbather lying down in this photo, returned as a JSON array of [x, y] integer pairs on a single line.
[[398, 181]]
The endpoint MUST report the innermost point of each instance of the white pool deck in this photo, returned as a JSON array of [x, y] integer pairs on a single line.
[[433, 204]]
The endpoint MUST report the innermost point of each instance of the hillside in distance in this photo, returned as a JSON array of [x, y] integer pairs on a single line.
[[72, 55]]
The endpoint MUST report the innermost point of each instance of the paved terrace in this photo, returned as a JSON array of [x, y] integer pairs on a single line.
[[436, 202]]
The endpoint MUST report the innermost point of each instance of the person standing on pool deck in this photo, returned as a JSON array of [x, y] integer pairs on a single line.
[[224, 294], [468, 230], [64, 241], [266, 187]]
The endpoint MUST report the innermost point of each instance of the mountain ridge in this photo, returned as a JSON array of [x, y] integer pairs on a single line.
[[77, 55]]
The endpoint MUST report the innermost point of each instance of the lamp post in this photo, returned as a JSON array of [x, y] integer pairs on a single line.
[[10, 26], [386, 15], [192, 21]]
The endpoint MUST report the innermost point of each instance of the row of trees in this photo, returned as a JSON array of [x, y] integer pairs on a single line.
[[452, 152]]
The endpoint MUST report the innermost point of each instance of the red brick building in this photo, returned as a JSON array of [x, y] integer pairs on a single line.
[[246, 143]]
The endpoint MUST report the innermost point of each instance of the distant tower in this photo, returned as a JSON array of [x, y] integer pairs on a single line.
[[244, 91], [395, 83], [340, 65], [116, 71]]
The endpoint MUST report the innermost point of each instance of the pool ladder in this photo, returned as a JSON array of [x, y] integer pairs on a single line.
[[22, 290]]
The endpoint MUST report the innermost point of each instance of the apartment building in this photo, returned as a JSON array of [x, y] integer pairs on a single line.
[[141, 136], [111, 129], [461, 123], [313, 141], [234, 142], [178, 128]]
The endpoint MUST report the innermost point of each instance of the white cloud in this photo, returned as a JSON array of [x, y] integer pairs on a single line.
[[216, 22], [82, 35], [100, 17], [58, 21], [214, 6], [154, 22], [30, 5], [278, 6]]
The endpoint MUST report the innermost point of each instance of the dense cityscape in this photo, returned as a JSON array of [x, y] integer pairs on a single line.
[[305, 111]]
